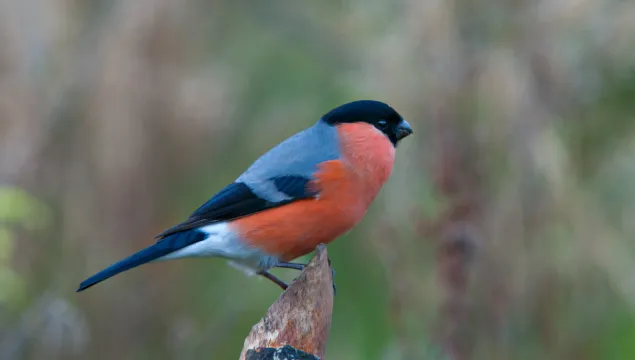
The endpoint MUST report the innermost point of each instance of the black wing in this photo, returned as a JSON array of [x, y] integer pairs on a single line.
[[237, 200]]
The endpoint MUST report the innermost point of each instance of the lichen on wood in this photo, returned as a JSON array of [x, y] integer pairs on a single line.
[[284, 353]]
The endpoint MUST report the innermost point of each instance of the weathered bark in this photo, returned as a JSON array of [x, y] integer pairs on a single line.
[[298, 323]]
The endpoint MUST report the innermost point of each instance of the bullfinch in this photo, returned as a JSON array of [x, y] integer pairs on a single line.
[[307, 190]]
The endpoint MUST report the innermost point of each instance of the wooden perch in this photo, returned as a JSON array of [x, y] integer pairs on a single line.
[[297, 325]]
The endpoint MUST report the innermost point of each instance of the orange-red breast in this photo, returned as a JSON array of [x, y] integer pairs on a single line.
[[309, 189]]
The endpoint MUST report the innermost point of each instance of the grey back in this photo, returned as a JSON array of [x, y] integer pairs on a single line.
[[298, 156]]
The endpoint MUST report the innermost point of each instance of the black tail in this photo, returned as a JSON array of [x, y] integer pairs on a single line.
[[161, 248]]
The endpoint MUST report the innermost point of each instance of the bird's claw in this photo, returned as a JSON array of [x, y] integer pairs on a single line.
[[332, 277]]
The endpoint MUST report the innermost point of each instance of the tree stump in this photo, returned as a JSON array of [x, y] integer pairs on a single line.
[[296, 325]]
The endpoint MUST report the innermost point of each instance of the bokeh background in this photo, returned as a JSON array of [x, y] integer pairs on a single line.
[[506, 231]]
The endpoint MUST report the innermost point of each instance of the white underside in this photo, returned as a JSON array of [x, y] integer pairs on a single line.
[[222, 242]]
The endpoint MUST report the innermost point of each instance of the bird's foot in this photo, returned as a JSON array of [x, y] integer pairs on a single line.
[[300, 267]]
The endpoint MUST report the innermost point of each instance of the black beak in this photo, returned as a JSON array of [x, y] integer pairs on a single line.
[[403, 130]]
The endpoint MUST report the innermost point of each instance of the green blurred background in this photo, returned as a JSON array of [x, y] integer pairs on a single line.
[[505, 232]]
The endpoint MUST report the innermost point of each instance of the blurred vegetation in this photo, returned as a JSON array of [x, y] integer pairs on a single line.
[[504, 233]]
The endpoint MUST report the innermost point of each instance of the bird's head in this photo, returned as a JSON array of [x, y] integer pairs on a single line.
[[383, 117]]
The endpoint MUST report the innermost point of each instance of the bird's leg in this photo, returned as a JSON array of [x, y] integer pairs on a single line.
[[273, 278]]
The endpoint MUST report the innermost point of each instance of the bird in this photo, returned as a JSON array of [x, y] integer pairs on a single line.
[[308, 190]]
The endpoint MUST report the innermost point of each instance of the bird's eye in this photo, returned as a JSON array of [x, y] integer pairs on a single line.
[[382, 124]]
